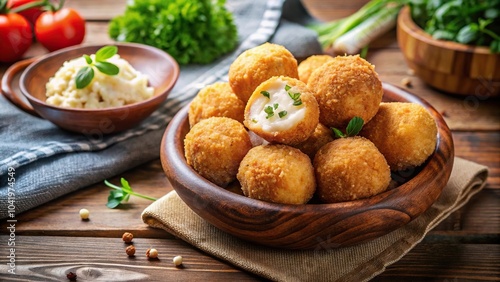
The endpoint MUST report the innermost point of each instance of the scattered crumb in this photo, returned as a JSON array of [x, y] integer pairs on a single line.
[[406, 81], [410, 72]]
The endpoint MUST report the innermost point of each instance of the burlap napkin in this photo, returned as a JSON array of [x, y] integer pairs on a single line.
[[356, 263]]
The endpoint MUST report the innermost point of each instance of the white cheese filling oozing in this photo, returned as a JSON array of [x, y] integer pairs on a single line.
[[277, 112]]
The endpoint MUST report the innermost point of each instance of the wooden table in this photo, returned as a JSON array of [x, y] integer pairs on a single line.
[[52, 240]]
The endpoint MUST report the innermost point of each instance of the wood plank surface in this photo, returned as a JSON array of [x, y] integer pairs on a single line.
[[104, 259]]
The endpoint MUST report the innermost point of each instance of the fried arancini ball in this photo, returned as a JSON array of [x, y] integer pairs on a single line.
[[214, 147], [320, 136], [282, 110], [258, 64], [310, 64], [346, 87], [405, 133], [349, 169], [278, 174], [216, 100]]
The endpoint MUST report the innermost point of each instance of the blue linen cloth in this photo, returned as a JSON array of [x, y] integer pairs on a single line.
[[40, 162]]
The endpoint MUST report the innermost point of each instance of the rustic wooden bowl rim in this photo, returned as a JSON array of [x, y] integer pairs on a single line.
[[406, 22]]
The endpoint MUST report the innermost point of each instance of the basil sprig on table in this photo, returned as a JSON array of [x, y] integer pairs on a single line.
[[122, 194], [86, 74]]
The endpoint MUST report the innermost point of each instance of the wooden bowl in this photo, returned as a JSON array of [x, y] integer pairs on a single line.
[[448, 66], [309, 226], [162, 71]]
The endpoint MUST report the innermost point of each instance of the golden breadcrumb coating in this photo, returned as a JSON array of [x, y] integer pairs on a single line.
[[277, 173], [288, 123], [405, 133], [318, 138], [216, 100], [349, 169], [310, 64], [214, 147], [346, 87], [258, 64]]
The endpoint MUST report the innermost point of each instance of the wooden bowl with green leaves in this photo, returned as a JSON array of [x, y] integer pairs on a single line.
[[29, 92], [311, 225], [446, 65]]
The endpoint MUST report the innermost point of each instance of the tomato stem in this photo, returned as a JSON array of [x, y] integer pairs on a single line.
[[3, 6], [28, 6]]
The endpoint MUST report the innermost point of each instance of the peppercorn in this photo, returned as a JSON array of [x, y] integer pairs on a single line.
[[177, 260], [130, 250], [71, 276], [152, 253], [127, 237], [84, 214]]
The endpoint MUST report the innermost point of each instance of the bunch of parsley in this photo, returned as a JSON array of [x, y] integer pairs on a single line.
[[191, 31], [474, 22]]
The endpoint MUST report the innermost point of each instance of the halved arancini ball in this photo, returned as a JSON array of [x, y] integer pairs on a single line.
[[349, 169], [405, 133], [215, 100], [346, 87], [214, 147], [282, 110], [258, 64], [278, 174], [310, 64]]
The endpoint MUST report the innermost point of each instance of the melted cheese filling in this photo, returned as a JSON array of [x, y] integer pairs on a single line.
[[280, 102]]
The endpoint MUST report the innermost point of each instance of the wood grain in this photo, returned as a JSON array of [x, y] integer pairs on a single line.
[[104, 259], [44, 258]]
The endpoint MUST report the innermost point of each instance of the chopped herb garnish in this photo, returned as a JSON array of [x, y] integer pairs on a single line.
[[295, 96], [353, 128], [282, 114], [275, 106], [265, 93], [254, 120], [269, 111]]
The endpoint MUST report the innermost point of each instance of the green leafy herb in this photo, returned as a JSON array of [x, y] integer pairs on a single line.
[[265, 93], [122, 194], [254, 120], [295, 96], [354, 32], [275, 106], [474, 22], [192, 31], [353, 128], [282, 114], [269, 111], [85, 75]]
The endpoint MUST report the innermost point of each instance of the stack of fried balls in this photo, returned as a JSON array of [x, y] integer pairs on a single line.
[[270, 130]]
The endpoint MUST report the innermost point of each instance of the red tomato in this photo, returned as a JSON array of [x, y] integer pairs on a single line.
[[15, 37], [31, 14], [60, 29]]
